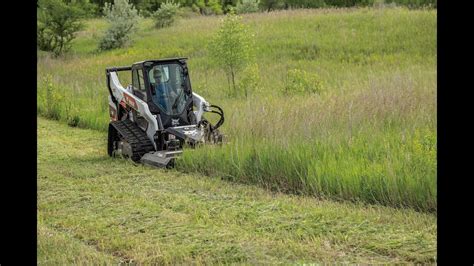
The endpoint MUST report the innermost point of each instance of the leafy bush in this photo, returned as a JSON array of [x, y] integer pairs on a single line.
[[56, 25], [166, 15], [187, 12], [231, 48], [123, 19], [148, 7], [414, 3], [300, 81], [270, 5], [52, 99], [209, 7], [247, 6], [88, 8], [305, 3], [250, 80]]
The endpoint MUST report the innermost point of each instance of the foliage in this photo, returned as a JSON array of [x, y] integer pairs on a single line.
[[247, 6], [56, 25], [250, 80], [208, 7], [166, 15], [414, 3], [300, 81], [231, 48], [146, 8], [123, 18], [88, 8], [229, 6], [270, 5], [306, 3], [52, 99]]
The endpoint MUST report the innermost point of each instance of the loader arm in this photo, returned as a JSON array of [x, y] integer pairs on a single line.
[[201, 105]]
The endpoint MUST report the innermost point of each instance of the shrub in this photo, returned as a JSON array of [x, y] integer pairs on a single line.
[[231, 48], [123, 19], [300, 81], [195, 8], [148, 7], [188, 12], [250, 80], [73, 120], [89, 9], [53, 99], [166, 15], [209, 7], [414, 3], [71, 114], [56, 25], [305, 3], [270, 5], [247, 6]]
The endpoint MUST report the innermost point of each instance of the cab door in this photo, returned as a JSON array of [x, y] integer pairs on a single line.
[[139, 90], [138, 84]]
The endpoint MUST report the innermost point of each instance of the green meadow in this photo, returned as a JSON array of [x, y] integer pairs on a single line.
[[366, 135]]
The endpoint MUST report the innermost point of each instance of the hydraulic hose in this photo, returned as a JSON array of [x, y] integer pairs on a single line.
[[220, 112]]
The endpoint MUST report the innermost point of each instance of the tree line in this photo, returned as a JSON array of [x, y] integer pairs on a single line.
[[212, 7], [59, 20]]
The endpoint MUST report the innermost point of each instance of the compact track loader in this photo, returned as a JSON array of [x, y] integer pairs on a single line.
[[152, 119]]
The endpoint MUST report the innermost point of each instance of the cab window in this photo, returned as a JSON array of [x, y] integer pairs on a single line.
[[139, 84], [135, 84]]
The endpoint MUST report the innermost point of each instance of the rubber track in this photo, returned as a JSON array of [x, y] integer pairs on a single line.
[[137, 138]]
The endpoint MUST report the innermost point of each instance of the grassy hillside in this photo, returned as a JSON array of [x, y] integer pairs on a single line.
[[369, 135], [96, 210]]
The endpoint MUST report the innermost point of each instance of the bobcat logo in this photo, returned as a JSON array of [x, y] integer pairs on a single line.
[[175, 122]]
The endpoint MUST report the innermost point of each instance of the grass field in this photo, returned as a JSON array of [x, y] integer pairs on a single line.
[[368, 136], [96, 210]]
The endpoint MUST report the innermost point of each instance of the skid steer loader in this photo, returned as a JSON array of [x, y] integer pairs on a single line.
[[152, 119]]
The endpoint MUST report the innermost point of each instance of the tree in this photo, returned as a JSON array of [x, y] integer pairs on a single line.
[[208, 7], [89, 8], [227, 5], [247, 6], [231, 48], [270, 5], [123, 19], [166, 15], [56, 25]]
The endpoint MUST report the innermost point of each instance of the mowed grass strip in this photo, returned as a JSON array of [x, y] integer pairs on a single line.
[[92, 208], [60, 248]]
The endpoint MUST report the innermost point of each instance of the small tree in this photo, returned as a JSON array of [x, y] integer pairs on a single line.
[[231, 48], [166, 15], [208, 7], [301, 82], [247, 6], [56, 25], [123, 19]]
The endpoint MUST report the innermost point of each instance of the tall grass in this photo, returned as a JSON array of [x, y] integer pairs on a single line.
[[368, 134]]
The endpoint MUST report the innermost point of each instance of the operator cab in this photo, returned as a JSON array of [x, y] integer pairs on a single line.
[[165, 86]]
